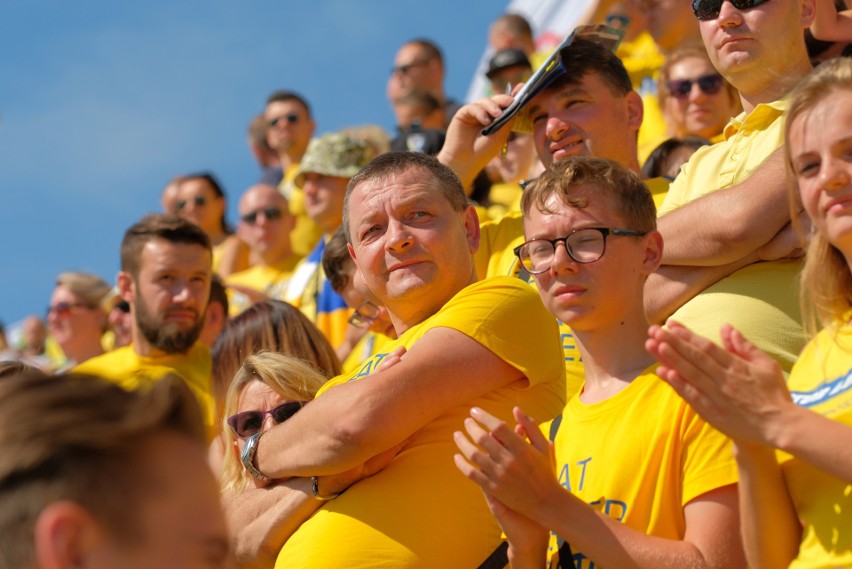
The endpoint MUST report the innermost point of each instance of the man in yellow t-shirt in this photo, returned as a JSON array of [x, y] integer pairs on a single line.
[[290, 127], [411, 233], [641, 480], [265, 224], [166, 267], [588, 109], [726, 218]]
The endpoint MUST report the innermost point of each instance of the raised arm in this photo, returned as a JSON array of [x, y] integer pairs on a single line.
[[359, 419], [519, 474], [830, 24], [727, 225], [466, 151]]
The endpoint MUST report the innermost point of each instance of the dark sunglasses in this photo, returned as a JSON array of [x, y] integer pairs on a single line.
[[270, 213], [247, 423], [709, 85], [199, 201], [291, 118], [709, 9], [63, 309], [406, 68], [123, 306]]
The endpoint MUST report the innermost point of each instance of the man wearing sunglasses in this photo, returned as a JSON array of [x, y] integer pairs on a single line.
[[290, 127], [411, 233], [265, 225], [166, 267], [728, 210], [419, 66]]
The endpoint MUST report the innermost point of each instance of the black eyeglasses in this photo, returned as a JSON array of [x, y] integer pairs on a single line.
[[270, 213], [709, 85], [407, 67], [291, 118], [63, 309], [199, 201], [123, 306], [247, 423], [585, 245], [364, 315], [709, 9]]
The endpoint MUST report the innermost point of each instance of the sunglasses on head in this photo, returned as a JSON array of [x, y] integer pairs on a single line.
[[709, 85], [199, 201], [291, 118], [247, 423], [270, 213], [709, 9]]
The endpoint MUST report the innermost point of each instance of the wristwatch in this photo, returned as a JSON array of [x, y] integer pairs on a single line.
[[247, 457]]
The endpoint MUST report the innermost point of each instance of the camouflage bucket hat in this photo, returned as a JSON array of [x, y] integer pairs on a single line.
[[334, 154]]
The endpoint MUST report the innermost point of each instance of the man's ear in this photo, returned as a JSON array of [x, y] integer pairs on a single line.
[[126, 286], [471, 227], [808, 12], [653, 251], [66, 535], [635, 110]]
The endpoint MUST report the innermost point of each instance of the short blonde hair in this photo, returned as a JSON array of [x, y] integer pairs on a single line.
[[290, 377]]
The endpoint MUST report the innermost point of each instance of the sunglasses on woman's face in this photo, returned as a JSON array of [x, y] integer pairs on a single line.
[[198, 201], [247, 423], [709, 85]]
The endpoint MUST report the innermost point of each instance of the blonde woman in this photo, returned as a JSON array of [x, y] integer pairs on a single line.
[[793, 441]]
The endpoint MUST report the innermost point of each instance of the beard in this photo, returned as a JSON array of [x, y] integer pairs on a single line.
[[168, 337]]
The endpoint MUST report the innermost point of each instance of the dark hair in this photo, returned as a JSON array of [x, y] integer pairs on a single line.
[[285, 96], [583, 57], [218, 293], [429, 48], [627, 193], [166, 226], [391, 164], [516, 24], [657, 161], [214, 184], [337, 264], [77, 438]]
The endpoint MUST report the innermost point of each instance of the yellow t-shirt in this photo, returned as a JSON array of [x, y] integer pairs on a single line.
[[640, 457], [761, 300], [369, 345], [272, 281], [305, 232], [130, 371], [420, 511], [821, 381]]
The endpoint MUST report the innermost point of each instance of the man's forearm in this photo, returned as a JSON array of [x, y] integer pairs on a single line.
[[673, 286], [726, 225]]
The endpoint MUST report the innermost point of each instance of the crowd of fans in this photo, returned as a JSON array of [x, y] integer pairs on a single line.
[[613, 333]]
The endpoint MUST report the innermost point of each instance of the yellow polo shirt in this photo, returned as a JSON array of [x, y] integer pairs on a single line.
[[761, 300]]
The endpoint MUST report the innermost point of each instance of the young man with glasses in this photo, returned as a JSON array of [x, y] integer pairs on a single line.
[[265, 225], [727, 210], [641, 480]]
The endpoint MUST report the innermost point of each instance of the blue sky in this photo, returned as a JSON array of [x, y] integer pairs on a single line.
[[101, 103]]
